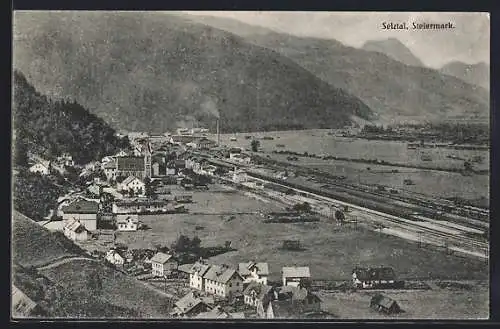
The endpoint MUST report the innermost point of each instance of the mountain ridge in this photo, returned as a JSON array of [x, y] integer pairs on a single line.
[[175, 72], [478, 74], [395, 49]]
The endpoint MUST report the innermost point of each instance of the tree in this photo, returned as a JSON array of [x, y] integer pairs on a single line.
[[148, 187], [255, 144]]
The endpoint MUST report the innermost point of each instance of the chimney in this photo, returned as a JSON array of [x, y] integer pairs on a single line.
[[218, 133]]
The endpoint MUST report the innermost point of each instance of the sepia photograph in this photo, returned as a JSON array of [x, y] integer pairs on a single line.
[[250, 165]]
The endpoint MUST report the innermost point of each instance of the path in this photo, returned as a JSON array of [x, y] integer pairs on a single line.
[[64, 261]]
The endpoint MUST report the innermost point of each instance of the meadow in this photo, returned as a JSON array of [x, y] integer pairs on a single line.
[[330, 251]]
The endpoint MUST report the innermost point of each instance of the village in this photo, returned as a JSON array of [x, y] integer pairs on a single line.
[[159, 177]]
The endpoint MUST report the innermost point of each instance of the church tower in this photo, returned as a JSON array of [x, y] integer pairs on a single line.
[[147, 159]]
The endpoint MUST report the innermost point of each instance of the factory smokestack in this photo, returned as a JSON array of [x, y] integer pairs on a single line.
[[218, 133]]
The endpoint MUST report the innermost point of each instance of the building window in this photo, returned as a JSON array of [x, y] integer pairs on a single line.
[[237, 284]]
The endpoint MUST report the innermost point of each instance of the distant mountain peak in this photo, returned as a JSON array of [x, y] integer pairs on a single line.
[[395, 49]]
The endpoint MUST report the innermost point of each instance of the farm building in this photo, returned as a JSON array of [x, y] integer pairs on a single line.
[[76, 231], [254, 272], [163, 264], [293, 276], [373, 277], [384, 304], [301, 298], [84, 211], [128, 222]]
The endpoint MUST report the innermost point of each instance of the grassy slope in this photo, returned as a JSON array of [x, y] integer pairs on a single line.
[[64, 290], [33, 245], [390, 88], [150, 71]]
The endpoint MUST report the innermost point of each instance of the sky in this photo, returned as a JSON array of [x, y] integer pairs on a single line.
[[468, 42]]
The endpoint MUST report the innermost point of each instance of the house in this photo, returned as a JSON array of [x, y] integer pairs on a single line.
[[196, 274], [384, 304], [66, 160], [114, 257], [241, 158], [183, 198], [301, 298], [95, 189], [190, 305], [182, 139], [223, 281], [254, 272], [373, 277], [132, 183], [234, 151], [137, 206], [110, 169], [294, 275], [240, 176], [127, 222], [258, 295], [202, 143], [42, 168], [163, 264], [22, 305], [76, 231], [218, 313], [84, 211], [121, 153]]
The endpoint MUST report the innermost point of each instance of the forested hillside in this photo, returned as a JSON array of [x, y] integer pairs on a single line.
[[155, 71], [49, 128]]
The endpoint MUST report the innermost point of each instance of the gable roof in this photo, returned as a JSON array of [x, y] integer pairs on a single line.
[[128, 218], [130, 163], [218, 313], [296, 272], [245, 268], [75, 226], [188, 302], [220, 274], [201, 268], [81, 206], [130, 179], [376, 273], [161, 258]]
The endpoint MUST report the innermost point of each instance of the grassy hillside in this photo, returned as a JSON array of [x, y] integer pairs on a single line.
[[394, 49], [33, 245], [152, 71], [393, 90], [478, 74], [77, 288]]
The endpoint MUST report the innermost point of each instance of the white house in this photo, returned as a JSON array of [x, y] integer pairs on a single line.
[[292, 276], [114, 257], [163, 264], [196, 274], [133, 183], [223, 281], [76, 231], [127, 222], [42, 168], [254, 272]]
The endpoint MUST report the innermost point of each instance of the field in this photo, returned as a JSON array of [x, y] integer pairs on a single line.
[[319, 142], [34, 246], [429, 182], [331, 251], [120, 292], [442, 304]]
